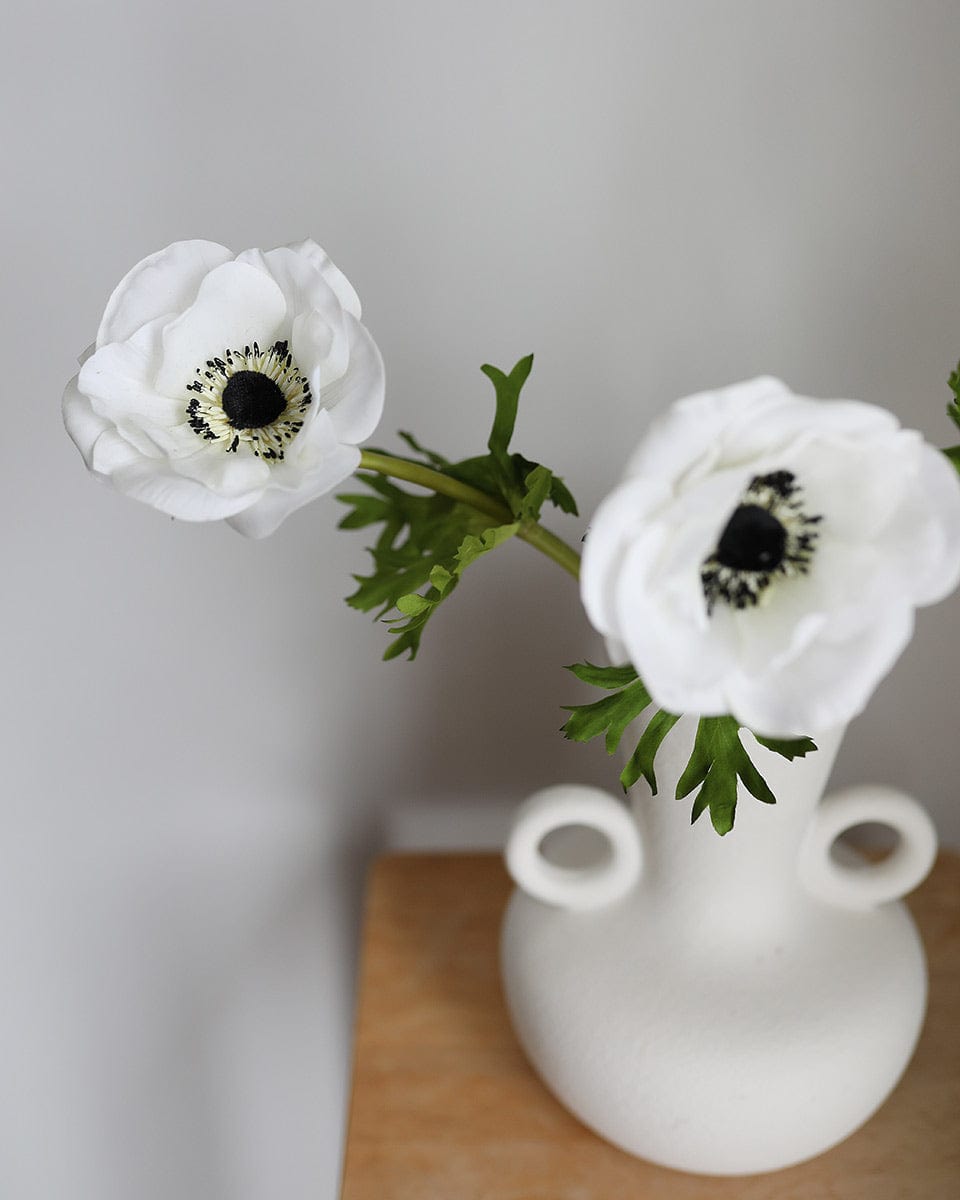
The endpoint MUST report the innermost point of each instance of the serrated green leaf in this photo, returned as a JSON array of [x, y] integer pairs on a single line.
[[382, 485], [481, 473], [953, 452], [718, 762], [609, 716], [440, 578], [603, 677], [953, 408], [561, 497], [413, 605], [383, 589], [472, 546], [558, 495], [364, 515], [700, 803], [589, 720], [719, 795], [789, 748], [430, 456], [424, 543], [698, 764], [751, 778], [642, 760], [507, 388], [419, 609], [536, 489], [635, 699]]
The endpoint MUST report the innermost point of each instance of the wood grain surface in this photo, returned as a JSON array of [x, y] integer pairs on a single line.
[[445, 1106]]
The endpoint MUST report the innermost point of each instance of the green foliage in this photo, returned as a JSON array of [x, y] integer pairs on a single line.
[[953, 412], [789, 748], [418, 609], [609, 716], [718, 759], [953, 408], [641, 761], [425, 543]]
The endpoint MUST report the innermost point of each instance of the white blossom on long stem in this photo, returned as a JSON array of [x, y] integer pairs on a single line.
[[225, 386]]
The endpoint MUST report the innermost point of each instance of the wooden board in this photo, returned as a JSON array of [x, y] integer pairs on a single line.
[[445, 1106]]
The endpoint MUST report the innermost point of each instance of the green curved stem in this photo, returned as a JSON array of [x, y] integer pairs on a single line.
[[435, 481]]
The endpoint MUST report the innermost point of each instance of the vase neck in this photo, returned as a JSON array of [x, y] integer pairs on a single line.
[[764, 842]]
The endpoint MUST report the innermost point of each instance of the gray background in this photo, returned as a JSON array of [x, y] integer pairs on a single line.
[[201, 746]]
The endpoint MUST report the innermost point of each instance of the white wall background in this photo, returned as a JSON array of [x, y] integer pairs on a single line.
[[201, 747]]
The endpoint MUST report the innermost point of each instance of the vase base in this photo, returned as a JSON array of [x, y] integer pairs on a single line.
[[709, 1050]]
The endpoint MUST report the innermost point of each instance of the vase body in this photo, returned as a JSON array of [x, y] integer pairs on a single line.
[[718, 1005]]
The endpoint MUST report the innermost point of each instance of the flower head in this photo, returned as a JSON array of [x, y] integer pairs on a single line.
[[228, 386], [765, 552]]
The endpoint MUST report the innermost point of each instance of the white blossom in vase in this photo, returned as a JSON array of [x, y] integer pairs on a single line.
[[764, 554]]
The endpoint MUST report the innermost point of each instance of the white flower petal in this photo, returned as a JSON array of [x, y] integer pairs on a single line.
[[321, 348], [277, 503], [83, 424], [227, 475], [878, 473], [355, 400], [236, 306], [937, 577], [119, 377], [113, 452], [305, 289], [615, 522], [333, 275], [662, 630], [164, 282], [828, 685], [156, 484], [692, 428]]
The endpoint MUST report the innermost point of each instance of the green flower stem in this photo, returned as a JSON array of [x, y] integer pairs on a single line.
[[435, 481]]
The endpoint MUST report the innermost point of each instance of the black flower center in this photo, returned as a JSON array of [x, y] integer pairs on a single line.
[[768, 536], [752, 540], [248, 400], [251, 400]]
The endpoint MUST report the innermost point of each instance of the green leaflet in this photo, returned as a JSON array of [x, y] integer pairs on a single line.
[[609, 716], [789, 748], [419, 609], [953, 412], [718, 761], [604, 677], [426, 542], [524, 485], [642, 760], [430, 456], [953, 408]]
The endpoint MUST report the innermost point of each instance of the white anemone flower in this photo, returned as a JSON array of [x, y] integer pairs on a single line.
[[228, 386], [764, 554]]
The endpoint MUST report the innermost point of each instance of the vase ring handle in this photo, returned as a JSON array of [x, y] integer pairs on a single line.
[[583, 887], [854, 884]]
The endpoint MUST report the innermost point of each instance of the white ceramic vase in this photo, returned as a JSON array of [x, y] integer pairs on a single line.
[[718, 1005]]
